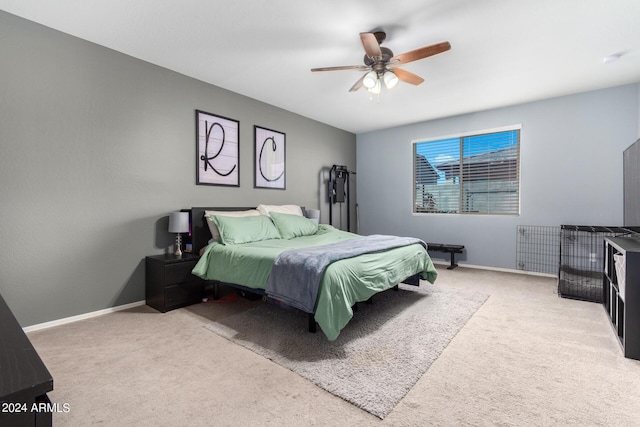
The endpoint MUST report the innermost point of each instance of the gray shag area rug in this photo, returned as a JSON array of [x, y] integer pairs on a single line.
[[379, 355]]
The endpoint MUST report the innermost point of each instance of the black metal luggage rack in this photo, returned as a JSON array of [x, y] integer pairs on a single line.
[[580, 274]]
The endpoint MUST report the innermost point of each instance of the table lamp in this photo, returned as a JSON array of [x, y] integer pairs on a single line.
[[178, 223], [314, 215]]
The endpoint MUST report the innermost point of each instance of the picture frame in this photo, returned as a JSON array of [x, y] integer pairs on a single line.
[[217, 150], [269, 149]]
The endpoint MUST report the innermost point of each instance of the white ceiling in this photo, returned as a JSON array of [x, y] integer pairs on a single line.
[[503, 52]]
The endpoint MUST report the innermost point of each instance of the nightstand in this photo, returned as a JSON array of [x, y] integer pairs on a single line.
[[169, 282]]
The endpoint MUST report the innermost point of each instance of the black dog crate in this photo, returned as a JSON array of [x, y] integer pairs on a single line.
[[581, 271]]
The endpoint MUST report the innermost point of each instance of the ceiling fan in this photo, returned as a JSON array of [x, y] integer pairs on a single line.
[[382, 65]]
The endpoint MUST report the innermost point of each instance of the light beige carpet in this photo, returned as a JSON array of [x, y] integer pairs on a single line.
[[378, 356], [525, 358]]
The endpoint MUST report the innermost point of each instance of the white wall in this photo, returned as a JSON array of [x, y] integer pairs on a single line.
[[571, 172], [96, 148]]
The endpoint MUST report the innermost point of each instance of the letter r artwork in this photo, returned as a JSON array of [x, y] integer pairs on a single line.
[[217, 145]]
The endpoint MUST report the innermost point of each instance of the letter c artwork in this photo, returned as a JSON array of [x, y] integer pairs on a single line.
[[274, 148]]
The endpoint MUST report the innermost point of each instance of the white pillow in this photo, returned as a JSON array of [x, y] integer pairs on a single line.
[[215, 234], [285, 209]]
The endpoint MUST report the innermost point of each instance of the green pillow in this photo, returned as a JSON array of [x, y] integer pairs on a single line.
[[234, 230], [291, 226]]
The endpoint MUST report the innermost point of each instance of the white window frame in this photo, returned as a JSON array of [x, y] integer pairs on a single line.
[[517, 127]]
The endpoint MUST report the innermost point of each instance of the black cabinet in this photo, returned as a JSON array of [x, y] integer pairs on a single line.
[[169, 282], [24, 379], [621, 291]]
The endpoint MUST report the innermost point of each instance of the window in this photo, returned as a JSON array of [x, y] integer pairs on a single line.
[[476, 173]]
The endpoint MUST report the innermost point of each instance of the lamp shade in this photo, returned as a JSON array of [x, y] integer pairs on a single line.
[[390, 79], [314, 215], [178, 222], [370, 79]]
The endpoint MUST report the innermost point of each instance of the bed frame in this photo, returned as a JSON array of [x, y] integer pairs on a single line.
[[200, 236]]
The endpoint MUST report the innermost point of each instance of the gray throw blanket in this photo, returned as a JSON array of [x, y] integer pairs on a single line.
[[296, 274]]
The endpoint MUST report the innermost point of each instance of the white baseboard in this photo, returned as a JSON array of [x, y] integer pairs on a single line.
[[505, 270], [72, 319]]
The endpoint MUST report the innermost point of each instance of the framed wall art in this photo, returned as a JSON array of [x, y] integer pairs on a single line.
[[217, 150], [270, 157]]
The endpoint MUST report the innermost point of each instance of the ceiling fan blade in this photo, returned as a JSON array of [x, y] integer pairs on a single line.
[[357, 85], [407, 76], [341, 68], [371, 45], [421, 53]]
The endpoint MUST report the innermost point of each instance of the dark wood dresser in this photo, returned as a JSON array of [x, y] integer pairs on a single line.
[[24, 379]]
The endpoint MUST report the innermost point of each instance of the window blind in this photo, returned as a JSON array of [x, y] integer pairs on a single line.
[[471, 174]]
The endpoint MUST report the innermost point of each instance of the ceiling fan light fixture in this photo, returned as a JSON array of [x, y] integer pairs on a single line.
[[381, 65], [370, 80], [390, 79]]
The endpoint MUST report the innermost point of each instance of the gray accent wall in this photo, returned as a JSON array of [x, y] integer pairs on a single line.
[[96, 148], [570, 165]]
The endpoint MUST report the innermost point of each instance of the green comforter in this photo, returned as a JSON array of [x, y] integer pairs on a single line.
[[344, 282]]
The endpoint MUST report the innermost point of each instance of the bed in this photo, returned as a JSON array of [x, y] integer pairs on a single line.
[[245, 253]]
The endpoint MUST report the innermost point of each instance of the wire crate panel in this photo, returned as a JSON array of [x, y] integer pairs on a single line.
[[537, 248]]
